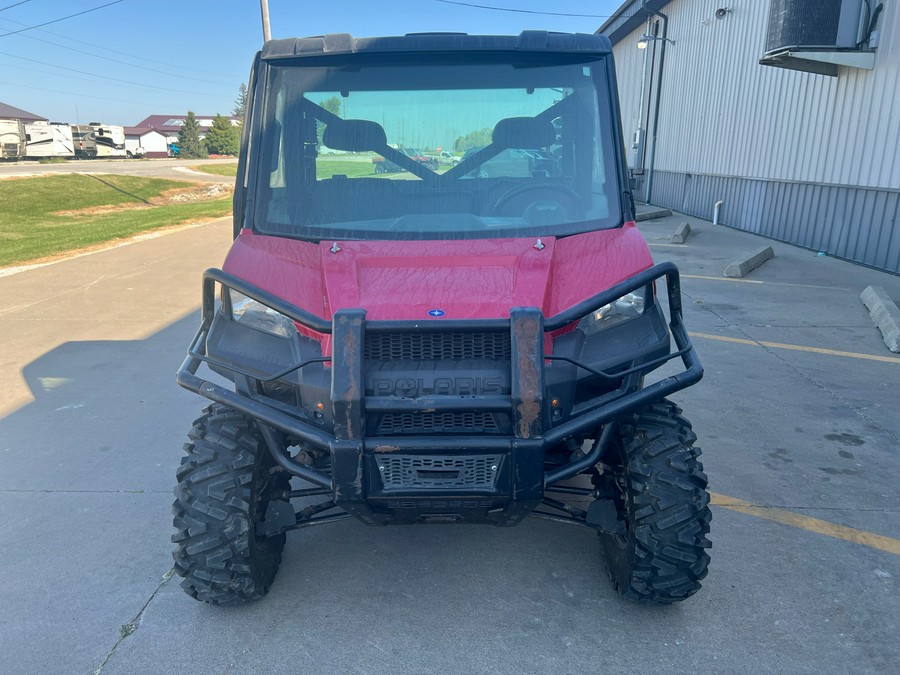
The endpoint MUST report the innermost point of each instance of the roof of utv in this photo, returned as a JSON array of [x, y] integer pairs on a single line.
[[527, 41]]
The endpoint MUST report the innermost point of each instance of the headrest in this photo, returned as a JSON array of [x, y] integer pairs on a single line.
[[523, 132], [354, 135]]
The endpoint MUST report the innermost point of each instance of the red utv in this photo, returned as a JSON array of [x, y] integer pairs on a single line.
[[462, 347]]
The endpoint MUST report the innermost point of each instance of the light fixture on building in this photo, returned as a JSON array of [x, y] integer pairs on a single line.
[[647, 39]]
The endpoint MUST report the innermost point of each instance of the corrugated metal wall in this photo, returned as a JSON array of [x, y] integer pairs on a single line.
[[799, 157]]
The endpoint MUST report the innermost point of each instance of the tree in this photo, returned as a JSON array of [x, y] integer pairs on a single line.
[[332, 105], [240, 103], [474, 139], [223, 137], [190, 144]]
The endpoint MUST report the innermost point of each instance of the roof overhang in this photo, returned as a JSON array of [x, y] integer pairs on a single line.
[[628, 17]]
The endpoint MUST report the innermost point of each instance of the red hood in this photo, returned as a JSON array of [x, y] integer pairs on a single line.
[[464, 279]]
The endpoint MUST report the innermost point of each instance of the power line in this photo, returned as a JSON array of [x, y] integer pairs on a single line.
[[114, 51], [47, 23], [520, 11], [124, 63], [71, 93], [15, 4], [110, 79]]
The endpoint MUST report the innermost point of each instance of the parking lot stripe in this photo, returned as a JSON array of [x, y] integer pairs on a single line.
[[816, 525], [797, 348], [731, 279]]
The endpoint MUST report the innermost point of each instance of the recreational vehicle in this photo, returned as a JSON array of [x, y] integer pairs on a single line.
[[99, 140], [12, 139], [48, 139]]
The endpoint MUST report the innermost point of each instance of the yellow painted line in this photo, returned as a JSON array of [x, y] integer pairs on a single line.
[[862, 537], [797, 348], [739, 281], [667, 245]]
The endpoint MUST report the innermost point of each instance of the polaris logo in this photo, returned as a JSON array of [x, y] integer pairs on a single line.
[[441, 386], [436, 312]]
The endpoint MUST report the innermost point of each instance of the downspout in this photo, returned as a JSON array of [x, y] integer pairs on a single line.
[[662, 60]]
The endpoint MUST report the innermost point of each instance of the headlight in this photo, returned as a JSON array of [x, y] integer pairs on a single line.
[[629, 306], [249, 312]]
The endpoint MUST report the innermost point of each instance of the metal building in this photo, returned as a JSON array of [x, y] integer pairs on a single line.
[[788, 111]]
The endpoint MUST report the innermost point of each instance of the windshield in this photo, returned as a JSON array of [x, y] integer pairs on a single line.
[[441, 151]]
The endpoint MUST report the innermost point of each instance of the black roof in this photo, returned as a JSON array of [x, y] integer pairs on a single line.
[[528, 41]]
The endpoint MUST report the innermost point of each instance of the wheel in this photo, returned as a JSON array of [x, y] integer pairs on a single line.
[[659, 489], [224, 486]]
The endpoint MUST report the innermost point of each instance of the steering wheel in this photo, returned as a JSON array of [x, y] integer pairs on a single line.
[[539, 204]]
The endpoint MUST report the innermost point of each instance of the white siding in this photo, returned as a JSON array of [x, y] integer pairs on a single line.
[[724, 114]]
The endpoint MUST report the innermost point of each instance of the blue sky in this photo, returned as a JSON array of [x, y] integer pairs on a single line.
[[135, 58]]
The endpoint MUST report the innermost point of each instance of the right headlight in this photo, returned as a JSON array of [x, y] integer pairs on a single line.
[[629, 306], [249, 312]]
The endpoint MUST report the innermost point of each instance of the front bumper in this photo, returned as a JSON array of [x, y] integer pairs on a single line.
[[485, 478]]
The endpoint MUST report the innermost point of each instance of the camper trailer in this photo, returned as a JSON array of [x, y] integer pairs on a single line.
[[12, 139], [48, 139], [96, 140]]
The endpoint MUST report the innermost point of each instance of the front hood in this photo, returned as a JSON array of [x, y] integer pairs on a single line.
[[435, 280]]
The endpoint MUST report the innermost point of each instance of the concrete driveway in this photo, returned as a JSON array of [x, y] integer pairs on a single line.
[[174, 169], [800, 447]]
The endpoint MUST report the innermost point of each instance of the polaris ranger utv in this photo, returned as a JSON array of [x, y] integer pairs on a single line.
[[462, 344]]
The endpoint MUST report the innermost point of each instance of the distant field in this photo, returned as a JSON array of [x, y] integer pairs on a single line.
[[46, 216], [326, 167]]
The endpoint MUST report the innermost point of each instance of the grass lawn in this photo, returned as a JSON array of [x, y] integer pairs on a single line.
[[217, 169], [31, 228]]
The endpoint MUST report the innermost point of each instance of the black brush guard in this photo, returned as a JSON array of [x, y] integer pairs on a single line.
[[520, 477]]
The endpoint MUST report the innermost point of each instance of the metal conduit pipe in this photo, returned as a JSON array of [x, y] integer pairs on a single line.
[[716, 209], [662, 60]]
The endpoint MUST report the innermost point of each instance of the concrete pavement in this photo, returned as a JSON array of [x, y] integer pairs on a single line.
[[91, 424]]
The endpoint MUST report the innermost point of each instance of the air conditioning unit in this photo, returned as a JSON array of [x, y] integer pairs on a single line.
[[817, 36]]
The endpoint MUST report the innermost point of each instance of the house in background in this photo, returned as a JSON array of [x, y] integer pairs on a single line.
[[785, 110], [170, 125], [153, 143], [8, 112]]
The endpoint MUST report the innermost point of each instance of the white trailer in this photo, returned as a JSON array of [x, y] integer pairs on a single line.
[[12, 139], [48, 139], [97, 140]]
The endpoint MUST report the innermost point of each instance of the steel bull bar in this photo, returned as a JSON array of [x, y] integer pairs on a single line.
[[349, 444]]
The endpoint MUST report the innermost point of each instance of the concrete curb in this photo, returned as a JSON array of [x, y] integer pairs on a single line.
[[885, 315], [743, 266], [681, 233], [651, 213]]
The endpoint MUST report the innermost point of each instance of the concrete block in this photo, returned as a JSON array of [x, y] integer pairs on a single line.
[[681, 233], [885, 315], [744, 265], [651, 213]]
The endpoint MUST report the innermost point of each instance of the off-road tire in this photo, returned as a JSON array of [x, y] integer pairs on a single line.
[[224, 484], [664, 504]]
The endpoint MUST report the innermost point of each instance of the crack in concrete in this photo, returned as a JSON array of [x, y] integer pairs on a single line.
[[129, 628], [850, 406]]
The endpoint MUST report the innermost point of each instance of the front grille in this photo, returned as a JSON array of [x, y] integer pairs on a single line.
[[437, 423], [494, 345], [454, 471]]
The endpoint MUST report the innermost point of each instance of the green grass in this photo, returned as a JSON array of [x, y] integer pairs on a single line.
[[29, 229], [217, 169]]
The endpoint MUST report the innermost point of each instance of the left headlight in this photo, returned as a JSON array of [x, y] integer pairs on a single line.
[[627, 307], [249, 312]]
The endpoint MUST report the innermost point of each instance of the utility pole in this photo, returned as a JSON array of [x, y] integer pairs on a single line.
[[264, 11]]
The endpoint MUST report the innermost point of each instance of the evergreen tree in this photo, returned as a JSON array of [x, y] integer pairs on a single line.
[[332, 105], [223, 137], [240, 103], [189, 143]]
